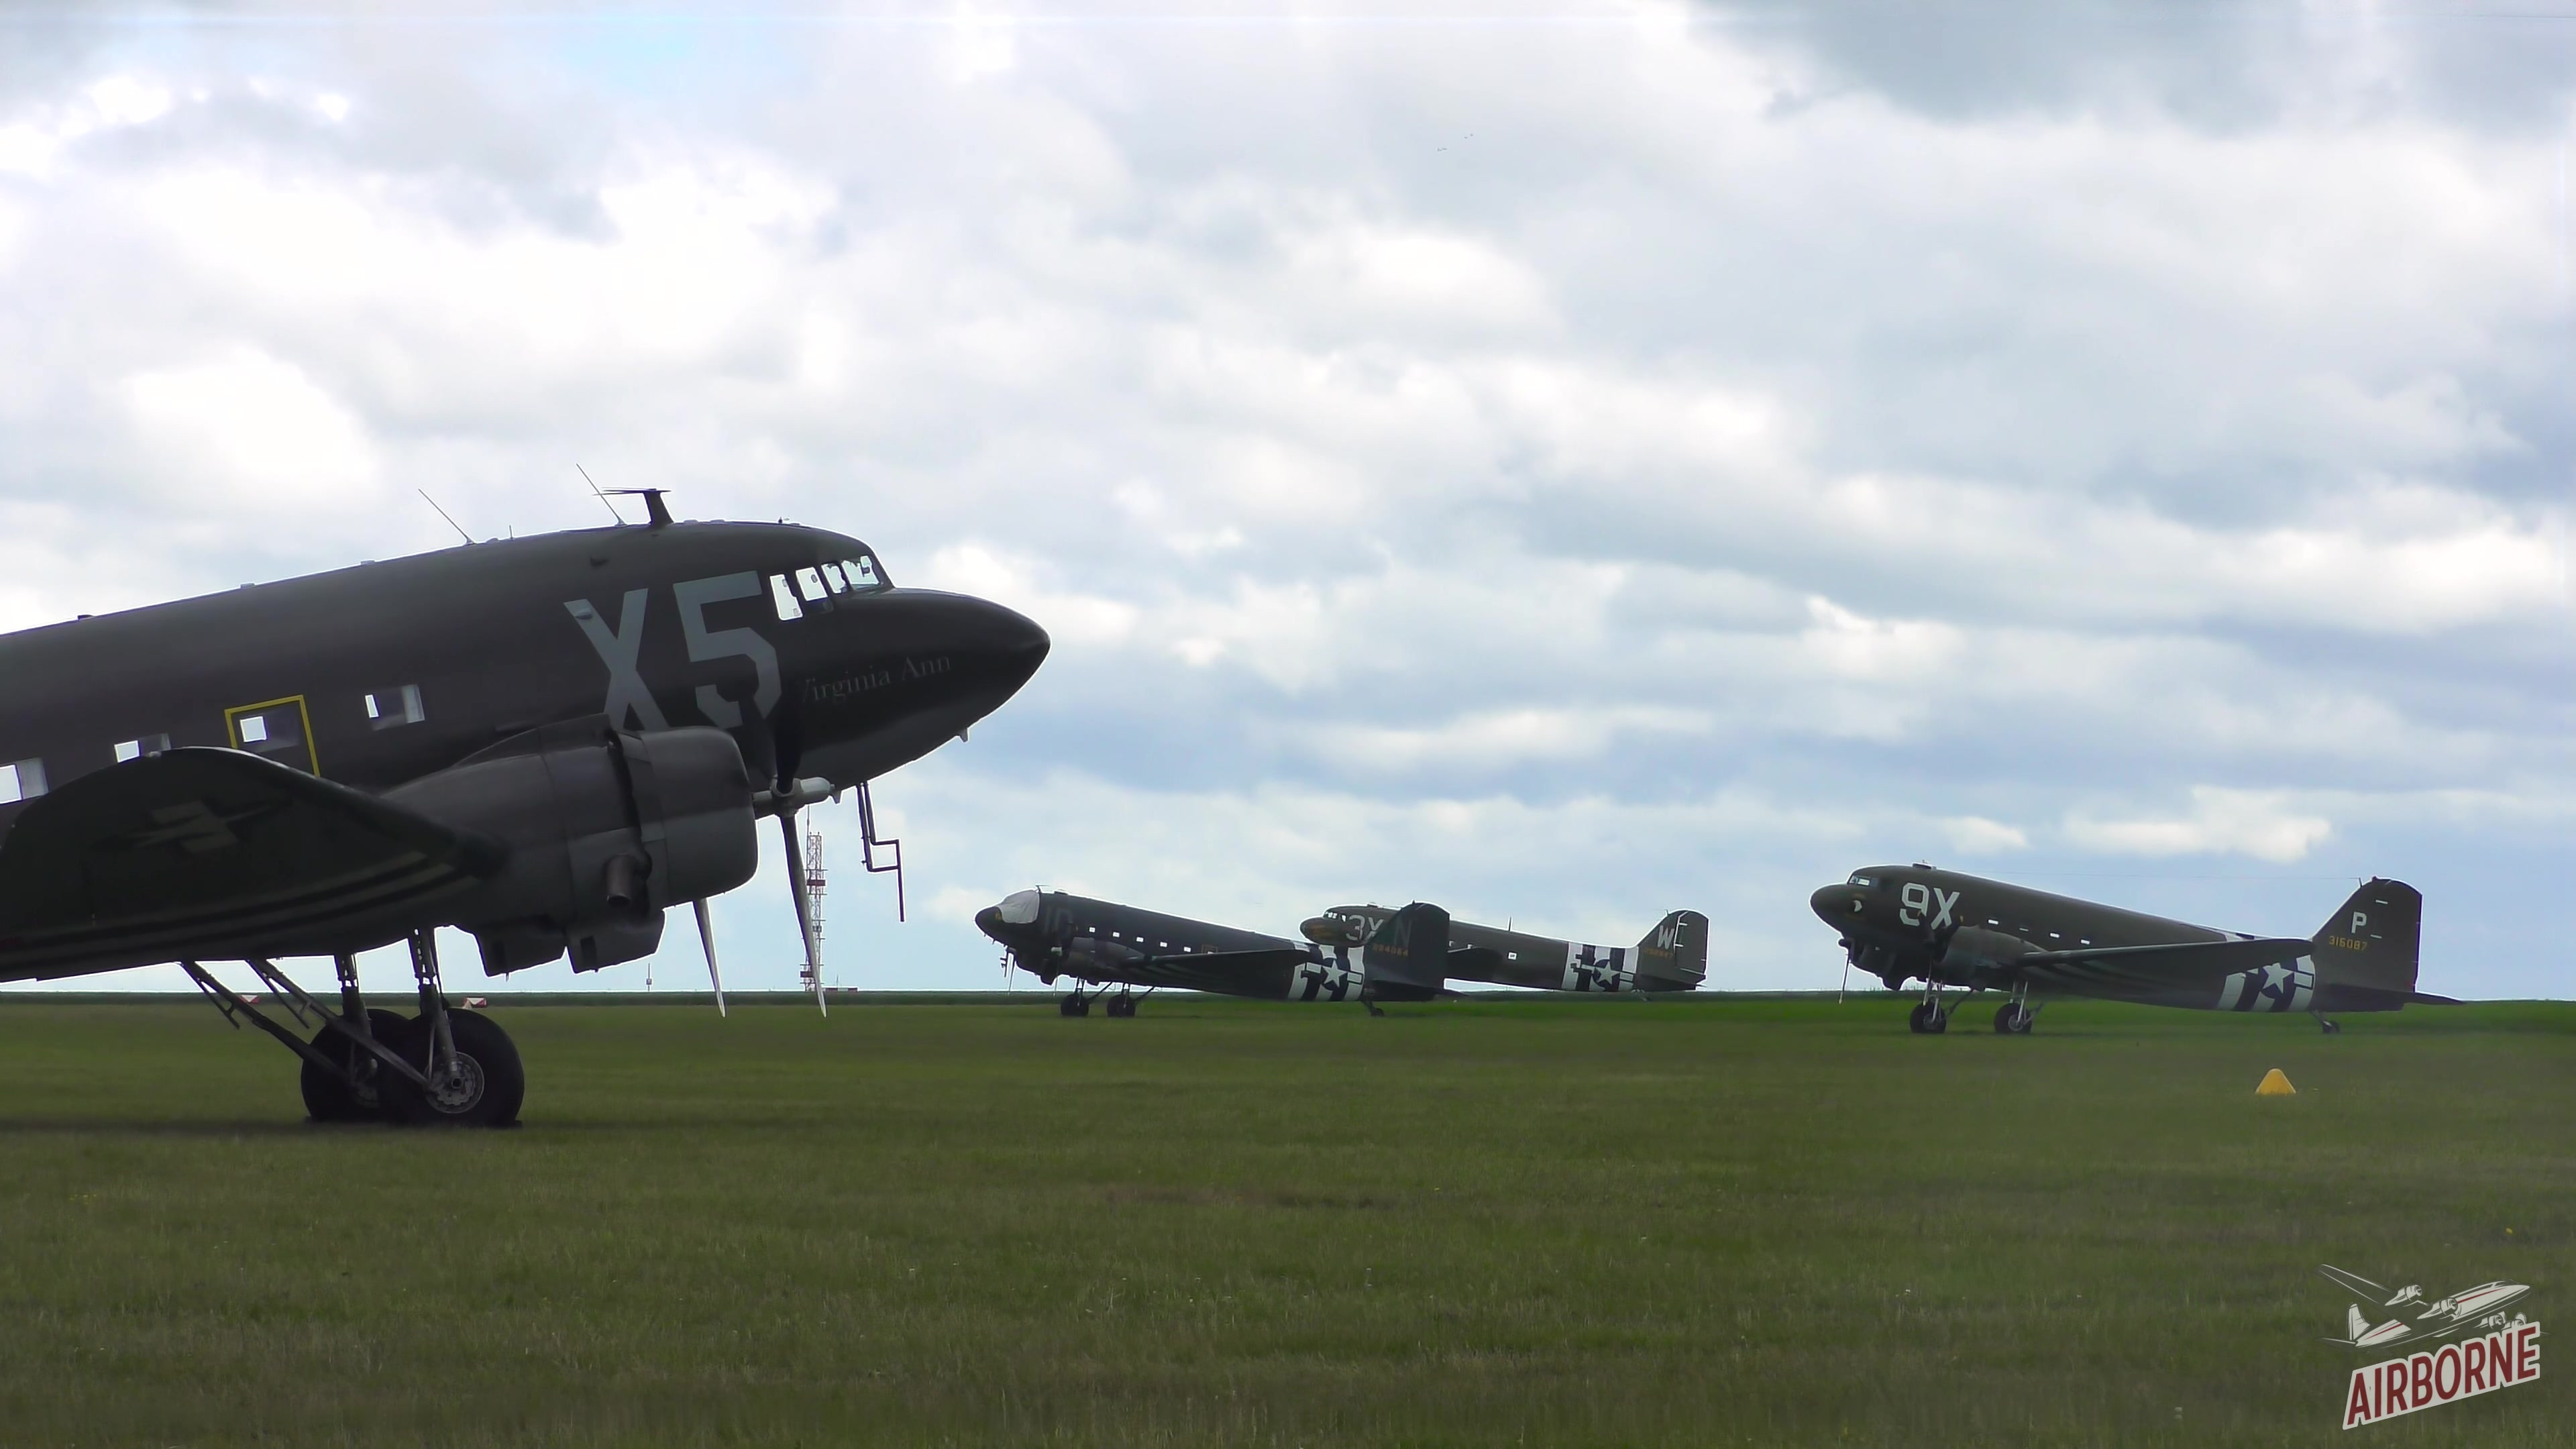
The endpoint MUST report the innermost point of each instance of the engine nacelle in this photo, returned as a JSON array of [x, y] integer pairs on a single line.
[[1109, 954], [1975, 951], [604, 829]]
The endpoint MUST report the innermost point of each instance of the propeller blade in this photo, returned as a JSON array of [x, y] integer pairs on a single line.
[[707, 938], [804, 919]]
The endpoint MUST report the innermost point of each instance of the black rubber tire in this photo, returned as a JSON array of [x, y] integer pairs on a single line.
[[1074, 1004], [489, 1056], [326, 1097], [1122, 1006], [1919, 1020]]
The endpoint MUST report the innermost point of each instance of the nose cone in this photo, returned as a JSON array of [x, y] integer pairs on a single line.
[[997, 647], [1836, 904], [1009, 919]]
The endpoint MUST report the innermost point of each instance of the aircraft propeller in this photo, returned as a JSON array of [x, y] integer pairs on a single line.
[[707, 938]]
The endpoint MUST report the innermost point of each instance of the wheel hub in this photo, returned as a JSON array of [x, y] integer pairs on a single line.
[[457, 1090]]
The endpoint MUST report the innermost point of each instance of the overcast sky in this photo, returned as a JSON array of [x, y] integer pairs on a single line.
[[1565, 462]]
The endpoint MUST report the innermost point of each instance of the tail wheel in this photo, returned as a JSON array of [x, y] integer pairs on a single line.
[[485, 1088], [329, 1099]]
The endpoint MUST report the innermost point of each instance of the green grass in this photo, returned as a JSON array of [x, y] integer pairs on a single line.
[[1714, 1222]]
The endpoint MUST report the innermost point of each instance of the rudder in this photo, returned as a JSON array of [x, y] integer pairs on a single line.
[[1407, 957], [2369, 946], [1675, 953]]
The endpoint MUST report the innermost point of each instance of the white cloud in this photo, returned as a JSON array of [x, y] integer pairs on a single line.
[[2259, 823], [1403, 441]]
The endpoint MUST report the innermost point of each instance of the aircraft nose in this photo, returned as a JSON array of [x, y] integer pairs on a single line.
[[1008, 645], [1835, 903]]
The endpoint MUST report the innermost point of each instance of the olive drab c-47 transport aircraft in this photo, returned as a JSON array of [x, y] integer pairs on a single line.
[[546, 742], [1672, 957], [1050, 934], [1903, 922]]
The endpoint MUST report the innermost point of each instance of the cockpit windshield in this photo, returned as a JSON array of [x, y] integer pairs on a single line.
[[862, 574], [1861, 880]]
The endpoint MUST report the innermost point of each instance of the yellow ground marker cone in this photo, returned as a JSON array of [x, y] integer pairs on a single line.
[[2275, 1085]]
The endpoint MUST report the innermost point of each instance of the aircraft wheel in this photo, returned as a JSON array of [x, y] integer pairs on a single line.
[[2012, 1020], [1923, 1021], [2333, 1028], [1122, 1006], [326, 1097], [1074, 1004], [488, 1086]]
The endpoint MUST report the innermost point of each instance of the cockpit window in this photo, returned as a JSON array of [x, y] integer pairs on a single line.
[[1861, 880], [864, 575], [809, 583], [832, 576], [782, 596]]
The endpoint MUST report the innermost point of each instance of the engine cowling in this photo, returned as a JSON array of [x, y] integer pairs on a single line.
[[604, 830], [1975, 951]]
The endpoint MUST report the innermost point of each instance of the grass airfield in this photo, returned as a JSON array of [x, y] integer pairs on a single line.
[[1727, 1221]]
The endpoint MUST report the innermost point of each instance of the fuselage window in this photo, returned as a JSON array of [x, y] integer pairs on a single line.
[[387, 708], [24, 780], [832, 576], [810, 584], [863, 574], [782, 597], [136, 749]]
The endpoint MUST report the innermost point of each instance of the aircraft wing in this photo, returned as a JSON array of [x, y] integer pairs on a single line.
[[1235, 973], [216, 854], [2163, 964]]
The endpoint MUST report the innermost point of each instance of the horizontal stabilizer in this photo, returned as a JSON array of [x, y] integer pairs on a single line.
[[2221, 958]]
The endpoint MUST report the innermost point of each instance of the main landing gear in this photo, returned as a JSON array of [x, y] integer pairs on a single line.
[[1931, 1018], [1077, 1004], [445, 1067], [2014, 1017]]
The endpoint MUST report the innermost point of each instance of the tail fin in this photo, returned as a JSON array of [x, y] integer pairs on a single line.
[[1675, 953], [2370, 945], [1409, 953], [2354, 1324]]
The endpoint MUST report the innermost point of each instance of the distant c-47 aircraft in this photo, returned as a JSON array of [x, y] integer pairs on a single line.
[[545, 742], [1672, 957], [1905, 922], [1051, 934]]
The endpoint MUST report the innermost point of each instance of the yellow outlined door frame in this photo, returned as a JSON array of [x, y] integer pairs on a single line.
[[311, 764]]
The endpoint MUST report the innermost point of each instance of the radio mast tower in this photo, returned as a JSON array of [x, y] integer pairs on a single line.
[[812, 979]]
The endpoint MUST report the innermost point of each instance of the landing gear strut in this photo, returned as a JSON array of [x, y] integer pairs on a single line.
[[446, 1068], [2014, 1017]]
